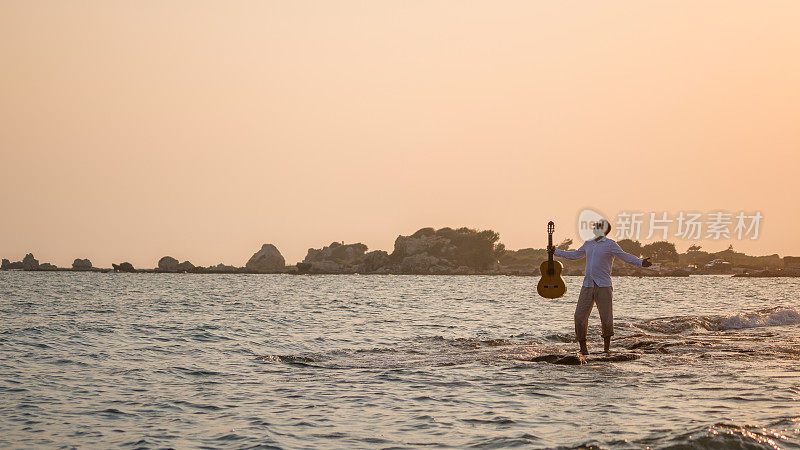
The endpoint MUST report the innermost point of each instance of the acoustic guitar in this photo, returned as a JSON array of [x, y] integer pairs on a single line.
[[551, 285]]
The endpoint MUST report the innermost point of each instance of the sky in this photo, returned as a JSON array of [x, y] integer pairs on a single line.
[[202, 129]]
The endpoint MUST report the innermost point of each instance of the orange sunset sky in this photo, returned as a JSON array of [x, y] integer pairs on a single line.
[[198, 129]]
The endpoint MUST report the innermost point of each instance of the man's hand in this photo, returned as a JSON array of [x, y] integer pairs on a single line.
[[646, 262], [551, 249]]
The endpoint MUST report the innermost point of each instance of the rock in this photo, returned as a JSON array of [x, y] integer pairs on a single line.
[[460, 247], [185, 266], [326, 267], [342, 254], [47, 266], [334, 258], [463, 270], [374, 260], [266, 260], [418, 264], [222, 268], [124, 267], [171, 265], [167, 264], [415, 244], [81, 264], [29, 262], [7, 265], [439, 270]]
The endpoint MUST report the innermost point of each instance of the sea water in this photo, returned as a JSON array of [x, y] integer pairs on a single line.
[[240, 361]]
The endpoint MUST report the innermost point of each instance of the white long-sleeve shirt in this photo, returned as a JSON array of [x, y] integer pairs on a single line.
[[600, 256]]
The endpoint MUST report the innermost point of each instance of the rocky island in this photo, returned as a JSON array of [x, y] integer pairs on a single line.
[[450, 251]]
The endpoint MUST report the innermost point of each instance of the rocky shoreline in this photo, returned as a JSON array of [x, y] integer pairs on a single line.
[[428, 251]]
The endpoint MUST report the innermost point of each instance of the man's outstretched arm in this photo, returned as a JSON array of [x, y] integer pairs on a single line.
[[628, 258], [573, 254]]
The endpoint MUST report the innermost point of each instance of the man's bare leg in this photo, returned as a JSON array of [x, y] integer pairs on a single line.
[[584, 348], [607, 344]]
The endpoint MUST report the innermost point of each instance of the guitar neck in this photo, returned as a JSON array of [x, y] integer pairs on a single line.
[[549, 244]]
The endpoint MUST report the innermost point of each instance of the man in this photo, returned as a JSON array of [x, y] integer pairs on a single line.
[[600, 253]]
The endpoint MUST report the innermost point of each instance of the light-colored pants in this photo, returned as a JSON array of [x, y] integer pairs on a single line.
[[587, 298]]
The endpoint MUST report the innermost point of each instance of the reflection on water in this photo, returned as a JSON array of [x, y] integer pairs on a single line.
[[380, 361]]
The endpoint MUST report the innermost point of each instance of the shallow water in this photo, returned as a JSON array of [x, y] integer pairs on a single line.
[[162, 360]]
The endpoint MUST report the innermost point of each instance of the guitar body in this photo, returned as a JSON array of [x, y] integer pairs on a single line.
[[551, 286]]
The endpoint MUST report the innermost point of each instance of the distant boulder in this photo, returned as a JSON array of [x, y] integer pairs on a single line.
[[342, 254], [266, 260], [30, 263], [477, 250], [222, 268], [168, 264], [81, 264], [124, 267], [185, 266], [303, 268], [335, 258], [8, 265], [47, 266], [374, 260], [171, 265], [420, 243]]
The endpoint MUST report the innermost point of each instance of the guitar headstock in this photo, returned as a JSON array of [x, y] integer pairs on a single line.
[[551, 227]]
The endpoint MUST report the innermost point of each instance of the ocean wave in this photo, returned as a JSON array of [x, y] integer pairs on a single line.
[[767, 317], [763, 318], [725, 435]]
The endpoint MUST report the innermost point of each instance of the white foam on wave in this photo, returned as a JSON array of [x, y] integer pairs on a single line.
[[764, 318]]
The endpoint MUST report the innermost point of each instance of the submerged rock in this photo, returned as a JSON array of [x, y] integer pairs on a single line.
[[266, 260], [577, 359]]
